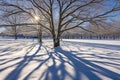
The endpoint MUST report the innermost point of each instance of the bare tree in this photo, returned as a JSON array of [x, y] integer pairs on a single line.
[[63, 15], [31, 14], [14, 19]]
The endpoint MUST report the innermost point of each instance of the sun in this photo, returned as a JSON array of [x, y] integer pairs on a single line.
[[36, 18]]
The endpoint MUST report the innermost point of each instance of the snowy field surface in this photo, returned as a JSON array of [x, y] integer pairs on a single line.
[[74, 60]]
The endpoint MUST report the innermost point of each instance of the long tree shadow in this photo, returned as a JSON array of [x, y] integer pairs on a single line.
[[42, 62], [14, 75], [79, 65], [57, 72], [65, 66], [14, 48], [7, 60], [53, 69]]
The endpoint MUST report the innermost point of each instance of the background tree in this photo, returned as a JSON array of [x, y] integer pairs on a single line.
[[30, 15], [14, 19]]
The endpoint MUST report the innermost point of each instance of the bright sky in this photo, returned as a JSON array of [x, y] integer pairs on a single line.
[[2, 29]]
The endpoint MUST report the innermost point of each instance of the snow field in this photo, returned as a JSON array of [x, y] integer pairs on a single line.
[[74, 60]]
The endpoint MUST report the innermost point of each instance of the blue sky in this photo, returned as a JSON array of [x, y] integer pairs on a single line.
[[110, 2]]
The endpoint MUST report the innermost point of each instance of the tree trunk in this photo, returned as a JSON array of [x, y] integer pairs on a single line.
[[40, 38], [15, 36], [56, 42], [40, 35], [15, 32]]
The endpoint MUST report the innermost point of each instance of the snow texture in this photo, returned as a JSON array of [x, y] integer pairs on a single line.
[[74, 60]]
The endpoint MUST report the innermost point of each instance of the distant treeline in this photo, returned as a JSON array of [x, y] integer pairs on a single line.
[[113, 36], [21, 36]]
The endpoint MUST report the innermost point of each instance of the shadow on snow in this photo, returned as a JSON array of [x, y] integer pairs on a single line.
[[80, 66]]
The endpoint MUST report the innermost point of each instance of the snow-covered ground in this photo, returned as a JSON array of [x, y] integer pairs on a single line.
[[74, 60]]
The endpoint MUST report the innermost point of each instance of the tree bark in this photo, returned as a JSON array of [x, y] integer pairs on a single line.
[[56, 42], [40, 39], [40, 35], [15, 36], [15, 32]]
